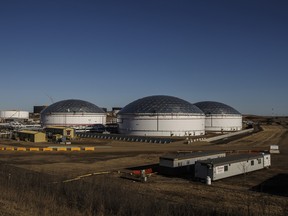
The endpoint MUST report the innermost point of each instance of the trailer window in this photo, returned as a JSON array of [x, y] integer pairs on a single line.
[[252, 162], [225, 168], [259, 160]]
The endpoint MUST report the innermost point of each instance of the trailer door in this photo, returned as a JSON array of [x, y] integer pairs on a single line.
[[267, 161]]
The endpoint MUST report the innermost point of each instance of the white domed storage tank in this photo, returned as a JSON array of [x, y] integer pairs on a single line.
[[14, 114], [220, 117], [161, 116], [73, 113]]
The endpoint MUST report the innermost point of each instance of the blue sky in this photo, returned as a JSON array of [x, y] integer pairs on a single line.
[[111, 53]]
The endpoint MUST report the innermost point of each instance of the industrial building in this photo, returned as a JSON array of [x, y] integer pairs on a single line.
[[38, 109], [220, 117], [224, 167], [72, 113], [67, 132], [12, 115], [161, 116], [181, 163], [31, 136]]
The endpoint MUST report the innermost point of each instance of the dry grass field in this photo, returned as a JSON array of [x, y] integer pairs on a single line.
[[34, 174]]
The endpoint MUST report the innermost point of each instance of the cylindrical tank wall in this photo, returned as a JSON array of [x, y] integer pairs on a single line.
[[161, 125], [219, 123], [75, 119], [14, 114]]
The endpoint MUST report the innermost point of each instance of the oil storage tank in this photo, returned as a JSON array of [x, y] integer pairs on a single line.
[[220, 117], [72, 113], [14, 114], [161, 115]]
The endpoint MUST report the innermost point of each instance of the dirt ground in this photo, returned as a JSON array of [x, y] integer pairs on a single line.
[[261, 189]]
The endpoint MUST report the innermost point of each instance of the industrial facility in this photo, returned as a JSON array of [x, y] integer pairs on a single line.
[[220, 117], [161, 115], [151, 116], [224, 167], [72, 113]]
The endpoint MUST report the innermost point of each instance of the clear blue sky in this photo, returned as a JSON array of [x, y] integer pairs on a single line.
[[111, 53]]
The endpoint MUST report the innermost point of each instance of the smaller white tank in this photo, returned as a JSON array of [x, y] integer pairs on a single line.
[[220, 117], [14, 114]]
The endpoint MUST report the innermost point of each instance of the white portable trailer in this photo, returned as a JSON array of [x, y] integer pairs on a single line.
[[180, 163], [232, 165]]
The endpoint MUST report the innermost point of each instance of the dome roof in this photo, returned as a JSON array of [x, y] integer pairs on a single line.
[[212, 107], [72, 106], [160, 104]]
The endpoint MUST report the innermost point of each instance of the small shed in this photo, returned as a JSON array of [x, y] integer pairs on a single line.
[[274, 149], [232, 165], [31, 136], [181, 163], [67, 132]]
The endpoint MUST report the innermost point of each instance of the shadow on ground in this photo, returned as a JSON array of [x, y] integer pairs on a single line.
[[182, 173], [277, 185], [154, 167]]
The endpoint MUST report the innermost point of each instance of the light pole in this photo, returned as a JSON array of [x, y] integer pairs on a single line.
[[157, 119], [65, 123]]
